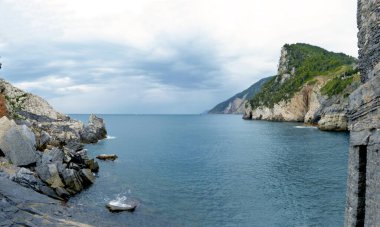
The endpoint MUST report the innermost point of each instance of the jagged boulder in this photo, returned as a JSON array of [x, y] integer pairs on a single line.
[[87, 177], [92, 165], [17, 143], [50, 175], [42, 140], [72, 181], [53, 155], [94, 131]]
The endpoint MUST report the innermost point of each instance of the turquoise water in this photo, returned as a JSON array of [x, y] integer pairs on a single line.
[[219, 170]]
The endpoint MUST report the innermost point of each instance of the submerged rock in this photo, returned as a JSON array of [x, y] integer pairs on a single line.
[[111, 157], [122, 204]]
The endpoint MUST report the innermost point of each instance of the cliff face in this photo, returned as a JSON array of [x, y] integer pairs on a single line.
[[236, 104], [363, 185], [312, 86]]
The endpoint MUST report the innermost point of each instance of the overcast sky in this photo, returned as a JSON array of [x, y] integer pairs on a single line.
[[167, 56]]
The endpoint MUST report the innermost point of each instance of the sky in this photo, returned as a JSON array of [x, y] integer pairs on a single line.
[[158, 56]]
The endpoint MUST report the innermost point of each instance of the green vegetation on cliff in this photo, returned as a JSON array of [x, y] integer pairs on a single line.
[[301, 64], [340, 82], [247, 94]]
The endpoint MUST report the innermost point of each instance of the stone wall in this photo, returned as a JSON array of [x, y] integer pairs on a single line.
[[363, 186], [368, 37]]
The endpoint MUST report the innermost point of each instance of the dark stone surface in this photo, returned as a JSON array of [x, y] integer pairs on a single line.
[[363, 184], [21, 206]]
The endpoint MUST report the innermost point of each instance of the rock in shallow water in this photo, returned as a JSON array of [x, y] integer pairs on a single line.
[[122, 204], [111, 157], [94, 131]]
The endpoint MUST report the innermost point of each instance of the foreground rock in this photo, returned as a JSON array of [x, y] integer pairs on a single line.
[[21, 206], [17, 143], [47, 143], [111, 157]]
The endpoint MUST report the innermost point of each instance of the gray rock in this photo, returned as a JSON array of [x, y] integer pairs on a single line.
[[42, 139], [34, 209], [53, 155], [28, 179], [17, 143], [62, 193], [111, 157], [72, 180], [74, 146], [83, 154], [118, 206], [94, 131], [87, 177], [49, 192], [49, 174], [92, 165], [73, 165]]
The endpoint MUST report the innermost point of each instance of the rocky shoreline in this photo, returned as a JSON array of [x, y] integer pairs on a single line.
[[310, 104], [41, 150]]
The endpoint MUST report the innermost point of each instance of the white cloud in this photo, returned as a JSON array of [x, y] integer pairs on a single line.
[[61, 85]]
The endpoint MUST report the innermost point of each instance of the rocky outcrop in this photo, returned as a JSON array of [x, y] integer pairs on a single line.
[[285, 70], [94, 131], [363, 184], [49, 126], [48, 143], [318, 101]]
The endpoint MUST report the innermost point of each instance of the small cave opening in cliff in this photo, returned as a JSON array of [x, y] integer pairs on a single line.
[[362, 186]]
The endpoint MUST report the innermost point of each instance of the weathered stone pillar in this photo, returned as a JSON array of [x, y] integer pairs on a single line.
[[363, 186]]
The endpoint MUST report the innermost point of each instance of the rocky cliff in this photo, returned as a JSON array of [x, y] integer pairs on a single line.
[[236, 104], [312, 86], [43, 149], [363, 185]]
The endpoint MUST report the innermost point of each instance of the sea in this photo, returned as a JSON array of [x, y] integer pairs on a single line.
[[217, 170]]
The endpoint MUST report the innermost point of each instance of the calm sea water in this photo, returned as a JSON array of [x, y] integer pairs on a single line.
[[218, 170]]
